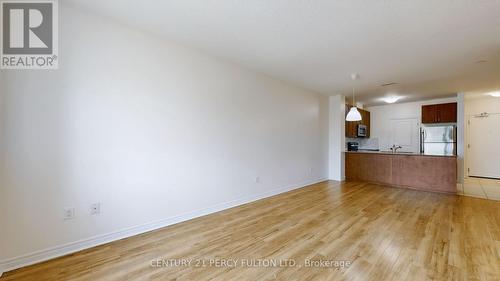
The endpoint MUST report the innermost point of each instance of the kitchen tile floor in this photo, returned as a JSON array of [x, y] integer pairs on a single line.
[[481, 188]]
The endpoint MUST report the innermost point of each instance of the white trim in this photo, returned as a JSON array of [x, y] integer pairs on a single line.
[[54, 252], [460, 189], [466, 146], [475, 196], [461, 137]]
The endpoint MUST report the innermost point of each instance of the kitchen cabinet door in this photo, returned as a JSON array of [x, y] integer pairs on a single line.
[[429, 113], [439, 113], [447, 113], [366, 121]]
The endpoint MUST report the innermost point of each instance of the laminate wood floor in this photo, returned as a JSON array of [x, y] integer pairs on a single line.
[[386, 233]]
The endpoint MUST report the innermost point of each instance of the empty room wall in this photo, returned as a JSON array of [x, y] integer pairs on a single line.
[[155, 132], [477, 104]]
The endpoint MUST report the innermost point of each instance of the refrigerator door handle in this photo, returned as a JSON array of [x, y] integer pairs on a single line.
[[455, 135], [422, 138]]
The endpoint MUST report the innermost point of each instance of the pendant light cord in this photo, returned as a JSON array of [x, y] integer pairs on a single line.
[[353, 101], [354, 76]]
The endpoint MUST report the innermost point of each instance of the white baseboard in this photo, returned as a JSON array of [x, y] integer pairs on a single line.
[[54, 252]]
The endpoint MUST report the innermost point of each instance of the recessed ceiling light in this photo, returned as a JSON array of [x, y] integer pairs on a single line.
[[391, 99], [495, 94]]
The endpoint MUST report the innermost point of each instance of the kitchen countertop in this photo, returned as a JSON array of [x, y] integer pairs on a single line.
[[398, 153]]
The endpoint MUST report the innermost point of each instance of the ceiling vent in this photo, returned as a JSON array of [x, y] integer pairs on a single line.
[[389, 84]]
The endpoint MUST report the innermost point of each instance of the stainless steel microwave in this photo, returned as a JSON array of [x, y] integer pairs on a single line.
[[362, 130]]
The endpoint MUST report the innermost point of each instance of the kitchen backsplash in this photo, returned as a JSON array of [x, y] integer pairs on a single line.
[[364, 143]]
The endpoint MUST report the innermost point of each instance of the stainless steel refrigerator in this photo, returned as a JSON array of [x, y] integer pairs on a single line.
[[438, 140]]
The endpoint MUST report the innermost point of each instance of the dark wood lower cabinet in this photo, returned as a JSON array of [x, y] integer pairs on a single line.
[[422, 172]]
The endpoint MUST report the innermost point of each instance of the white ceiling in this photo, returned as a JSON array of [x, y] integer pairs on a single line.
[[429, 47]]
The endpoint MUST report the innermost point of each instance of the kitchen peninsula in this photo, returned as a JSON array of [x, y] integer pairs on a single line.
[[407, 170]]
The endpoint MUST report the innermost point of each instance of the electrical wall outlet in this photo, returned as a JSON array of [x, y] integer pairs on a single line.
[[257, 179], [69, 213], [310, 171], [95, 208]]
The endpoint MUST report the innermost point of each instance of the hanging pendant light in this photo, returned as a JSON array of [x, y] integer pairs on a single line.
[[353, 114]]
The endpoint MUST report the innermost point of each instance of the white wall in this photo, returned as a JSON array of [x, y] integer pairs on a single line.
[[337, 138], [151, 130], [381, 116], [483, 103]]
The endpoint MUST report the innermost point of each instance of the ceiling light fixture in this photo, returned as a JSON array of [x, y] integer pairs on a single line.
[[353, 114], [391, 99], [495, 94]]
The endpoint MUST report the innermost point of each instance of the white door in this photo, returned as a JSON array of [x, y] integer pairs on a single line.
[[406, 133], [484, 150]]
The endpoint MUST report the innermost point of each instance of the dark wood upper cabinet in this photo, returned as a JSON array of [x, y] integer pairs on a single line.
[[365, 115], [439, 113], [351, 128], [447, 113], [429, 114]]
